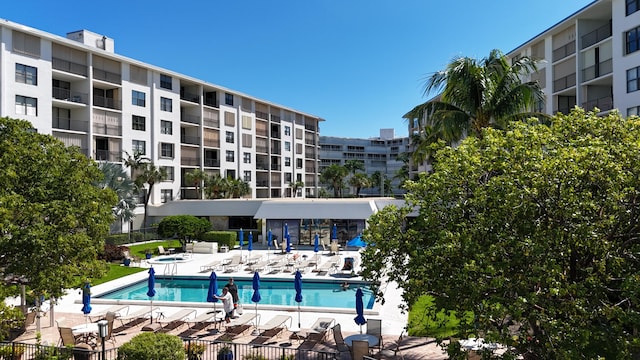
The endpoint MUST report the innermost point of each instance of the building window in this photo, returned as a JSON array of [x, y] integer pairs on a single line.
[[246, 158], [26, 74], [166, 104], [299, 163], [633, 40], [287, 130], [138, 98], [138, 147], [166, 127], [26, 44], [166, 82], [166, 195], [247, 176], [228, 99], [287, 146], [287, 177], [166, 150], [632, 6], [229, 119], [170, 171], [287, 161], [229, 137], [634, 110], [246, 122], [26, 105], [138, 122], [230, 156], [633, 79]]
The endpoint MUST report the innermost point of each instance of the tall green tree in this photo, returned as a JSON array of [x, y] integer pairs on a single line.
[[185, 227], [148, 174], [214, 186], [196, 177], [353, 166], [534, 230], [334, 176], [359, 181], [237, 188], [53, 219], [475, 94], [295, 186], [117, 179]]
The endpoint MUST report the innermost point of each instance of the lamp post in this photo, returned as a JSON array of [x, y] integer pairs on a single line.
[[103, 331]]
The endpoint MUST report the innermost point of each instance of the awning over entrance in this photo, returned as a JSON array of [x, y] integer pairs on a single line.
[[317, 209]]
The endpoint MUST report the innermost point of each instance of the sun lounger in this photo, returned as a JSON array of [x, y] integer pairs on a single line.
[[259, 266], [254, 259], [233, 265], [276, 323], [119, 310], [317, 331], [211, 266], [168, 323], [241, 324], [330, 265], [199, 323], [137, 317]]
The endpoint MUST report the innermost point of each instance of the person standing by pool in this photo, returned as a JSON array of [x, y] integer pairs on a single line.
[[233, 290], [227, 303]]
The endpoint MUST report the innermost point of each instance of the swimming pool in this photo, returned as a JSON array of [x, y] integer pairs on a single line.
[[315, 293]]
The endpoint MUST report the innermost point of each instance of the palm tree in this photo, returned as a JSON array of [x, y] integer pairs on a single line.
[[334, 175], [135, 162], [117, 179], [237, 188], [295, 186], [150, 175], [196, 177], [215, 186], [359, 181], [353, 166], [477, 94]]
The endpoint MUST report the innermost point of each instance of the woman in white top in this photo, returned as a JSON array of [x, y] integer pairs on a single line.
[[227, 303]]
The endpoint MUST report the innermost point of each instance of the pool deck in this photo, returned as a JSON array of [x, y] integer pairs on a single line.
[[68, 308]]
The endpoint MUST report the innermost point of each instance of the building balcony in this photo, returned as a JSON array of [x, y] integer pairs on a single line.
[[596, 35], [564, 82], [106, 155], [107, 76], [68, 66], [211, 162], [69, 124], [188, 118], [262, 149], [68, 95], [275, 167], [262, 183], [191, 140], [597, 70], [189, 96], [104, 129], [106, 102], [190, 161], [604, 104], [214, 123], [564, 51], [262, 115]]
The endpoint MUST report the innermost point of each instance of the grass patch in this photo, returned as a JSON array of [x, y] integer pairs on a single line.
[[426, 320], [116, 271], [140, 250]]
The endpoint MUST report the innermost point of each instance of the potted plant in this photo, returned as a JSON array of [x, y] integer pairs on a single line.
[[126, 261], [225, 353], [195, 351], [148, 253], [12, 352]]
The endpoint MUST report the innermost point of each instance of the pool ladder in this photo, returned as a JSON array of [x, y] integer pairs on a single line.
[[170, 269]]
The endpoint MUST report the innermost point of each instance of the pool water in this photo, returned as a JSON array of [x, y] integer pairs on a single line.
[[273, 291]]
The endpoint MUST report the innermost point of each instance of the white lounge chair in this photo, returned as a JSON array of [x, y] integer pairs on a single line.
[[318, 331], [276, 322], [167, 323], [233, 265], [119, 310], [211, 266], [138, 316]]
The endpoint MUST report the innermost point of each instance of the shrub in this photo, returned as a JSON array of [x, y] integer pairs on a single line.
[[152, 346], [228, 238], [113, 252], [10, 318]]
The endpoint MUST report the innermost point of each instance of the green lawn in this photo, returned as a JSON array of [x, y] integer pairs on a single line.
[[423, 323], [116, 271], [140, 249]]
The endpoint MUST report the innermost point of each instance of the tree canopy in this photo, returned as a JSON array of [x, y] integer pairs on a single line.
[[534, 229], [185, 227], [53, 218]]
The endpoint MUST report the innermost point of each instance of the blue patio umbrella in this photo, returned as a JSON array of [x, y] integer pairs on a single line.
[[357, 241], [213, 289], [256, 295], [151, 292], [297, 283], [360, 320], [288, 243], [86, 300], [334, 232], [269, 242], [250, 247], [286, 229], [316, 247]]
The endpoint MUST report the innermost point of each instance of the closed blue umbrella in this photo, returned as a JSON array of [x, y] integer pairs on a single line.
[[316, 248], [213, 289], [359, 319], [334, 232], [297, 283], [269, 242], [256, 295], [286, 229], [86, 300], [151, 292], [250, 247], [241, 236], [288, 243]]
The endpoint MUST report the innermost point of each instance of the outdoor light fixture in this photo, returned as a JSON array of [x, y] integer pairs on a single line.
[[103, 332]]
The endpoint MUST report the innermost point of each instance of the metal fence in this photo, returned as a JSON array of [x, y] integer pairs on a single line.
[[213, 350]]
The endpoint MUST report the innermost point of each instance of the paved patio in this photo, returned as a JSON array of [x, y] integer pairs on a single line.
[[67, 311]]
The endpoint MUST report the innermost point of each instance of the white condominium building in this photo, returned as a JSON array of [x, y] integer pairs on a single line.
[[83, 93]]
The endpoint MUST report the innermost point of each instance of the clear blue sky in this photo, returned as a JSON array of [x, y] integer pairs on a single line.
[[359, 64]]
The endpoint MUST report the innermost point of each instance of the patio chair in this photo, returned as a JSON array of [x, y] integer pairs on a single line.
[[171, 322], [359, 349], [349, 265], [339, 340], [317, 331], [374, 327], [118, 310], [111, 318], [67, 338], [162, 251], [211, 266]]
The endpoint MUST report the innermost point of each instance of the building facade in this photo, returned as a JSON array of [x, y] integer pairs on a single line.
[[590, 59], [83, 93], [378, 154]]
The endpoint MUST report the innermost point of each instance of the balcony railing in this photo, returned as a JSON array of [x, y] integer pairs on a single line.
[[275, 167], [276, 150], [310, 169], [106, 102], [106, 155], [104, 129], [261, 149], [191, 140], [564, 51], [190, 96], [262, 166], [604, 103], [564, 82], [310, 127], [190, 161], [214, 123], [68, 66], [68, 95], [107, 76], [262, 115], [69, 124], [597, 70], [596, 35], [262, 183], [214, 143], [192, 119], [212, 162]]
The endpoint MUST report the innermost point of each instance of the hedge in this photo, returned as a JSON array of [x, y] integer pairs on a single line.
[[227, 238]]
